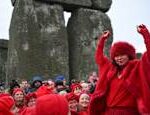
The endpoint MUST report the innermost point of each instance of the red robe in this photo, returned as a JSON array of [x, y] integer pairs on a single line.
[[83, 113], [137, 79]]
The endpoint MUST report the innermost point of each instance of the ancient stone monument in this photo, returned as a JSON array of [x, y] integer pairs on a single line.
[[3, 58], [40, 43]]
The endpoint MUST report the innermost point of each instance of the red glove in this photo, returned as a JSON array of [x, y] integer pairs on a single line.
[[146, 35], [105, 35], [142, 29]]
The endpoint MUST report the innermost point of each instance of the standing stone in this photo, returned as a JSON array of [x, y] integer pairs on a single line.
[[38, 41], [3, 58], [70, 5], [84, 27], [103, 5]]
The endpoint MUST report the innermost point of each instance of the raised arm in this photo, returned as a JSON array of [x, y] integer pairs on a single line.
[[142, 29], [99, 55]]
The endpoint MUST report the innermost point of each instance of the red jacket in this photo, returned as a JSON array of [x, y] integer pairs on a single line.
[[137, 79]]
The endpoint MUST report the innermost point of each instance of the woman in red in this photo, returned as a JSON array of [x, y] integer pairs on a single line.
[[19, 98], [72, 101], [84, 101], [124, 84]]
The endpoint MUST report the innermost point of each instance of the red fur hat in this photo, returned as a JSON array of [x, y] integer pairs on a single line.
[[74, 86], [120, 48], [72, 96], [51, 104]]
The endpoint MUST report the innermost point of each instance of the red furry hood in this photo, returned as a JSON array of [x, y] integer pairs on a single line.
[[120, 48]]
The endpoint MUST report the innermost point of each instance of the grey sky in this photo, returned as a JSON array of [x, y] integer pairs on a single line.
[[5, 17], [124, 15]]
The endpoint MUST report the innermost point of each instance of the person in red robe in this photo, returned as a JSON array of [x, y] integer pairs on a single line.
[[19, 98], [124, 84], [72, 101], [6, 104], [84, 101]]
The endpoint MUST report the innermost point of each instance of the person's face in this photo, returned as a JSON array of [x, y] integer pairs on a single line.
[[64, 82], [60, 87], [77, 91], [37, 84], [31, 102], [94, 74], [91, 79], [121, 60], [51, 85], [24, 84], [2, 90], [84, 100], [85, 86], [73, 105], [19, 96]]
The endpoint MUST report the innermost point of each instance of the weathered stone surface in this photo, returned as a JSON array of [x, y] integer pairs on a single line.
[[103, 5], [83, 29], [38, 41], [70, 5], [3, 43], [3, 58]]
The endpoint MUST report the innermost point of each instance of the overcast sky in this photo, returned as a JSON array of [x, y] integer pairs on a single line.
[[125, 15]]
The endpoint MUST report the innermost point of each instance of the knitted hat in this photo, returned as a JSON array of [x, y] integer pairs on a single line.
[[60, 77], [37, 78], [51, 104], [59, 82], [43, 90], [84, 94], [121, 48]]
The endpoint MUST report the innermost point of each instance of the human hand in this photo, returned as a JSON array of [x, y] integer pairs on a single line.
[[105, 35], [142, 29]]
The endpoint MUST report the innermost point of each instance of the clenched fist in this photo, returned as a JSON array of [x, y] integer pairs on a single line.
[[142, 29], [105, 34]]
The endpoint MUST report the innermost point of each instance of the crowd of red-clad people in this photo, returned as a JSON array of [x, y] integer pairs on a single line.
[[47, 97], [122, 88]]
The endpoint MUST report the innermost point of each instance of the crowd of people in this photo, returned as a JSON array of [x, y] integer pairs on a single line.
[[122, 86], [47, 97]]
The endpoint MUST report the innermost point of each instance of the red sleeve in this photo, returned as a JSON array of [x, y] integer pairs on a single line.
[[143, 71], [146, 36], [99, 54]]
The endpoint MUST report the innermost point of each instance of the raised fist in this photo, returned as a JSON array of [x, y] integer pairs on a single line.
[[142, 29], [106, 34]]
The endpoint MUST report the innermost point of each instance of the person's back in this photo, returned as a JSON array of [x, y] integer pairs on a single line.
[[6, 104]]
